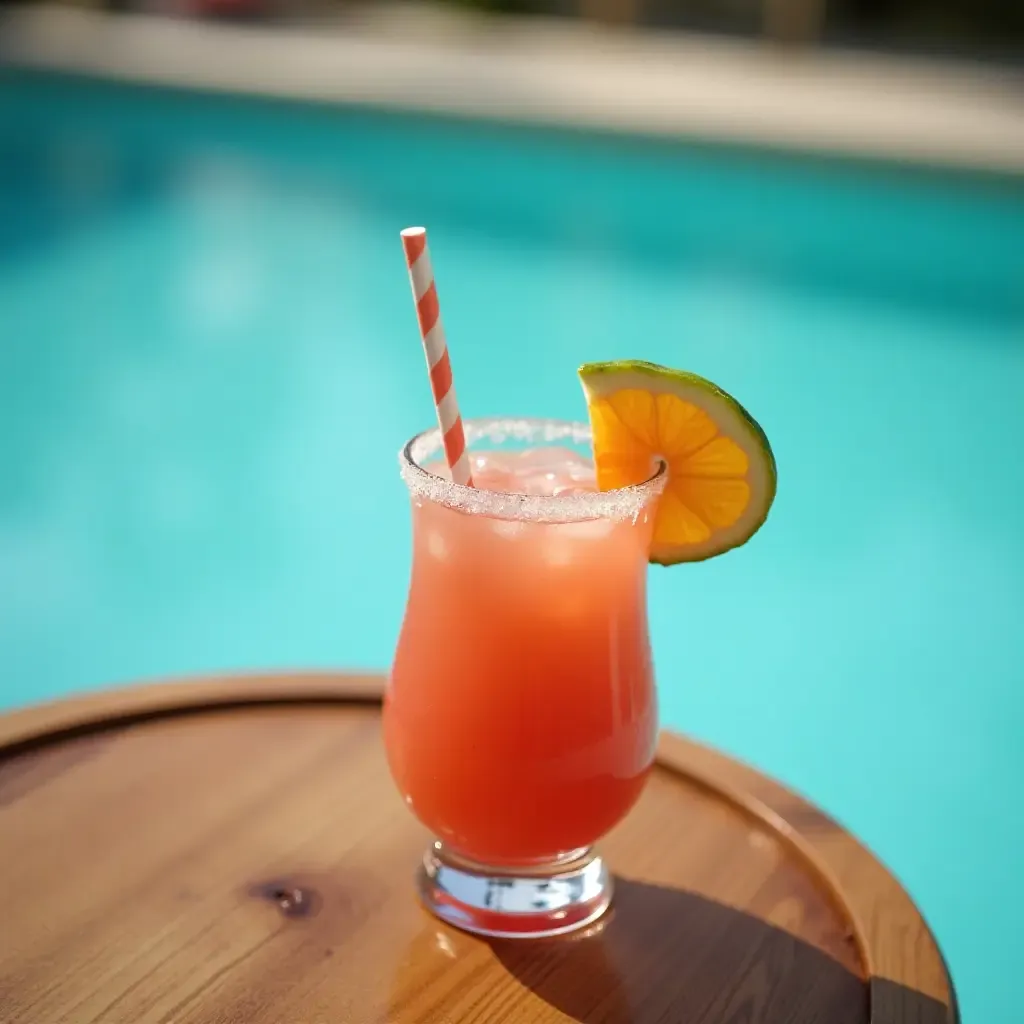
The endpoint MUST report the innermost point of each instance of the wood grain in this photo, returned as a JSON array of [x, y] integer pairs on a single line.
[[233, 852]]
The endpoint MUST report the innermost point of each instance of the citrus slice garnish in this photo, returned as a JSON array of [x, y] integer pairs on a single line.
[[721, 471]]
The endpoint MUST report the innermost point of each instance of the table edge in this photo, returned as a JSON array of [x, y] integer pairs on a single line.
[[897, 947]]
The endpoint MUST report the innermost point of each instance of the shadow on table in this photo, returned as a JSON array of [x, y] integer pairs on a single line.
[[671, 957]]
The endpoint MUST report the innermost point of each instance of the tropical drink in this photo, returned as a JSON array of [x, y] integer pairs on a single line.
[[521, 714]]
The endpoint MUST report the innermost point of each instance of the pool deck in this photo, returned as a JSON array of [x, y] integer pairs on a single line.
[[562, 73]]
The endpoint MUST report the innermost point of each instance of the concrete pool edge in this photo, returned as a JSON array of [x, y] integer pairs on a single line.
[[559, 74]]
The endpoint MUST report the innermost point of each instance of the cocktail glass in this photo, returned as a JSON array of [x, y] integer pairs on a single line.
[[520, 715]]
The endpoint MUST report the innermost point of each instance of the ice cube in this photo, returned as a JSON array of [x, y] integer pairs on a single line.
[[535, 483], [479, 461], [558, 553], [437, 545], [509, 529], [582, 472], [543, 472], [589, 529], [553, 459]]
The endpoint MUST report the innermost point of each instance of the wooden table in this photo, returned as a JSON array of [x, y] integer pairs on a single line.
[[232, 851]]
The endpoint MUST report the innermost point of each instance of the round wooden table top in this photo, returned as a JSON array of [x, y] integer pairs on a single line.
[[232, 851]]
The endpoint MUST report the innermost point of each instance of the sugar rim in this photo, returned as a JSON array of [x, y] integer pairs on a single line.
[[623, 503]]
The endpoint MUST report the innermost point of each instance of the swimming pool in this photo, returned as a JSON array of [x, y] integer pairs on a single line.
[[208, 361]]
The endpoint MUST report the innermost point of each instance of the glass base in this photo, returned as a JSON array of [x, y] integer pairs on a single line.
[[514, 903]]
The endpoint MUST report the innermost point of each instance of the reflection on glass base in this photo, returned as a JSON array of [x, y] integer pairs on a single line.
[[513, 903]]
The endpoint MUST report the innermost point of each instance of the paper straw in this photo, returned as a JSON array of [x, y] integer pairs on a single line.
[[424, 294]]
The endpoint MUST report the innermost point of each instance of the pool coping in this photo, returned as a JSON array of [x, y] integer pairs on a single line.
[[559, 73]]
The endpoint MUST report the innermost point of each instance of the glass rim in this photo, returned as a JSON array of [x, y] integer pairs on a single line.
[[621, 503]]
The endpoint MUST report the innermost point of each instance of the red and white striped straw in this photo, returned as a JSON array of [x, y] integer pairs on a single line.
[[424, 293]]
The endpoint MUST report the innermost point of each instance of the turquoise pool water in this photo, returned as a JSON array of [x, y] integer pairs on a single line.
[[208, 361]]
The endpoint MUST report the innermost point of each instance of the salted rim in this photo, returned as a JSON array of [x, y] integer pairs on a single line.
[[622, 503]]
